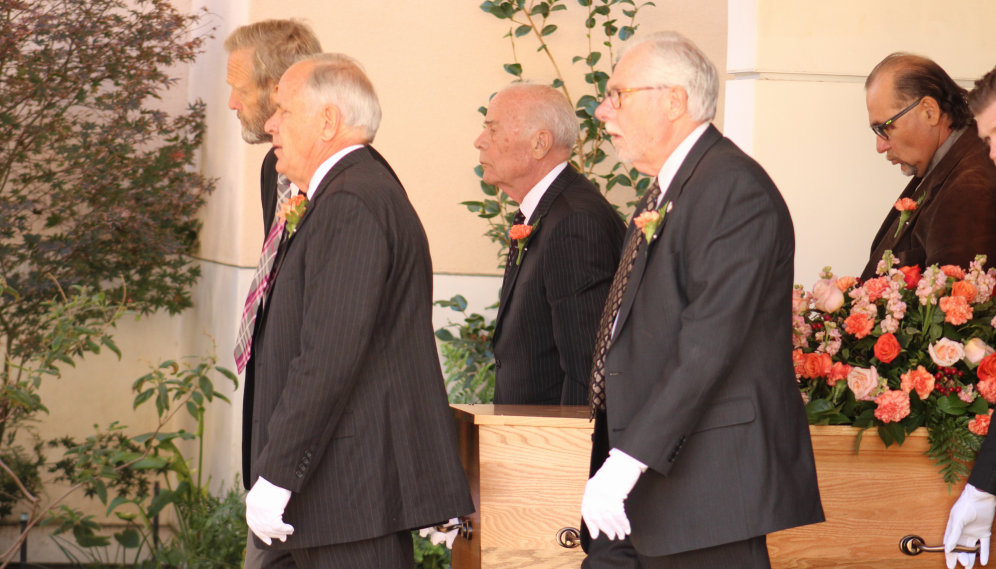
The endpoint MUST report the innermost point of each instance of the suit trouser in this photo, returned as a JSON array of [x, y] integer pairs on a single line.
[[393, 551], [748, 554]]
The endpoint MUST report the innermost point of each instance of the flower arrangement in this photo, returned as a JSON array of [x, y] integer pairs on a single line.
[[904, 350]]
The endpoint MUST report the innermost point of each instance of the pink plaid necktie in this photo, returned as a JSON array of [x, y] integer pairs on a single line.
[[261, 280]]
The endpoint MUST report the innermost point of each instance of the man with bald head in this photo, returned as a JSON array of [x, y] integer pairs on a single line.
[[565, 245], [353, 445], [922, 123]]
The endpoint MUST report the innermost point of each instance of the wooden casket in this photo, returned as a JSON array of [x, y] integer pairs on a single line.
[[528, 465]]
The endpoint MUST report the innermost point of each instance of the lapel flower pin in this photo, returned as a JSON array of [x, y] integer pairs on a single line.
[[906, 207], [649, 221], [522, 233], [291, 212]]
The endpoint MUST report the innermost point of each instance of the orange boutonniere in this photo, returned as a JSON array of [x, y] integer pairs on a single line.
[[650, 220], [906, 207], [291, 212], [522, 233]]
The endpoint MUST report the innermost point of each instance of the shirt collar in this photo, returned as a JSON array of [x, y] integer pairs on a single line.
[[532, 199], [677, 158], [326, 166], [943, 149]]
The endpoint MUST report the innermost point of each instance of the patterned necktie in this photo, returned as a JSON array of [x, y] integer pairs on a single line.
[[261, 280], [596, 393], [513, 248]]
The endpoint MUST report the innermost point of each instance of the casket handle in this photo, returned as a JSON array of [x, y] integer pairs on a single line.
[[465, 526], [913, 545], [569, 538]]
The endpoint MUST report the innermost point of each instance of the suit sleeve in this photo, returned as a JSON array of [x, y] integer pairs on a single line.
[[983, 474], [347, 264], [268, 191], [734, 241], [963, 222], [578, 271]]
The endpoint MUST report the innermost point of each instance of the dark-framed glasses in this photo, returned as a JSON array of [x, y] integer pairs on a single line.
[[879, 129], [613, 94]]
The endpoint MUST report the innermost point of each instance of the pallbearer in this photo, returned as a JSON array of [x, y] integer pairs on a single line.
[[565, 247], [692, 387]]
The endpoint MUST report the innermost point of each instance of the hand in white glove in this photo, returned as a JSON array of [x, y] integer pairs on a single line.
[[970, 521], [265, 505], [602, 505], [437, 537]]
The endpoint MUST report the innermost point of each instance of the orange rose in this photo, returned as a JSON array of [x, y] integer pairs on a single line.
[[520, 231], [893, 406], [845, 283], [918, 380], [987, 368], [953, 271], [911, 275], [887, 348], [956, 310], [980, 424], [858, 325], [965, 290], [816, 365]]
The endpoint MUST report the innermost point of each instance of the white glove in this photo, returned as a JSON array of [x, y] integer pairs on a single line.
[[602, 505], [265, 505], [437, 537], [970, 521]]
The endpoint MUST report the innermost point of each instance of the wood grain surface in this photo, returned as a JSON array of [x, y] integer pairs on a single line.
[[528, 474]]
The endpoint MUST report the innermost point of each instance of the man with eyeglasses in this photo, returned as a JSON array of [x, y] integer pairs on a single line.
[[971, 519], [922, 122], [701, 443]]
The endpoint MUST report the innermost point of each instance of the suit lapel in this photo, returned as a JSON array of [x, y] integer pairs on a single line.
[[709, 138], [358, 155], [557, 187]]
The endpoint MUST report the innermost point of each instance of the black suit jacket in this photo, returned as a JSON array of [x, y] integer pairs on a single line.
[[699, 379], [349, 409], [957, 218], [551, 303]]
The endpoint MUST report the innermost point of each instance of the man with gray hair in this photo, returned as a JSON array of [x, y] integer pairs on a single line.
[[701, 443], [353, 444], [565, 245]]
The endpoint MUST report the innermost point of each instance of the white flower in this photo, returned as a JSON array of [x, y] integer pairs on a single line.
[[976, 349], [945, 352]]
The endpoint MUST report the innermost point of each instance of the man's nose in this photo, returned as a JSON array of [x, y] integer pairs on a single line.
[[233, 102], [882, 145], [271, 124], [479, 142], [604, 110]]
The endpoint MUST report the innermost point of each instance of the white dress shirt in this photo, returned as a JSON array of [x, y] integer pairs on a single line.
[[532, 199], [329, 163], [676, 159]]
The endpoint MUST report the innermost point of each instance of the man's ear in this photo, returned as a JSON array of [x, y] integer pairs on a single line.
[[541, 144], [930, 110], [331, 121], [677, 103]]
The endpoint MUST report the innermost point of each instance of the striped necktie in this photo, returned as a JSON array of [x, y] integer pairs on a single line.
[[596, 391], [261, 280]]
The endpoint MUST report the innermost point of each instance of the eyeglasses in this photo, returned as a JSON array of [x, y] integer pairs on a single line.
[[879, 129], [616, 102]]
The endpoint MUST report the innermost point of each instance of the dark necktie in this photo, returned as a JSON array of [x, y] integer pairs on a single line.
[[596, 392], [513, 247]]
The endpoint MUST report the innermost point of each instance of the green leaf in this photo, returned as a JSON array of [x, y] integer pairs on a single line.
[[514, 69], [557, 83], [522, 30], [892, 433], [207, 388], [593, 58], [143, 397], [194, 410], [445, 335], [626, 32], [149, 463], [584, 3], [101, 489], [547, 30], [165, 498], [115, 503], [229, 374], [107, 341], [952, 405], [979, 406], [129, 538]]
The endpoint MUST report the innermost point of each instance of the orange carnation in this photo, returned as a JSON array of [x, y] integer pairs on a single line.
[[906, 204], [845, 283], [980, 424], [520, 231], [858, 325], [918, 380], [887, 348], [965, 290], [838, 372], [956, 310], [816, 365], [987, 389], [646, 217], [876, 288], [953, 271], [893, 406], [987, 368], [798, 361]]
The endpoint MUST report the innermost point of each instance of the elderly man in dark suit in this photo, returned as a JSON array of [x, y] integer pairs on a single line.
[[352, 441], [565, 248], [701, 440], [922, 123]]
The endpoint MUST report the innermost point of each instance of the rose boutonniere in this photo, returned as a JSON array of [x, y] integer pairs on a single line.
[[291, 212], [522, 233], [906, 207], [650, 220]]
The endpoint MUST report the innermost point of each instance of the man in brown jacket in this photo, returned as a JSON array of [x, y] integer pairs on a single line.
[[922, 123]]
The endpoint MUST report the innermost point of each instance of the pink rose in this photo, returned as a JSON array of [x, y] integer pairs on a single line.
[[976, 349], [827, 296], [800, 303], [945, 352], [864, 383], [893, 406]]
